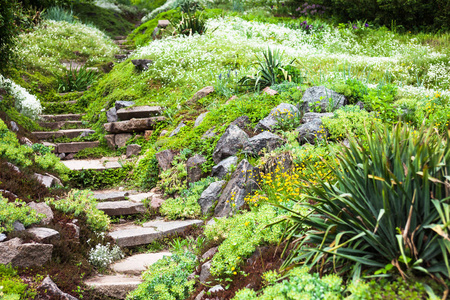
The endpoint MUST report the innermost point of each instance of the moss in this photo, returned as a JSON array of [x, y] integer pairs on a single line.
[[111, 22]]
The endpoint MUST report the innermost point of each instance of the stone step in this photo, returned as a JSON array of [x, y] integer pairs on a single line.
[[63, 117], [70, 102], [120, 56], [133, 125], [79, 93], [128, 113], [125, 51], [120, 37], [92, 164], [75, 147], [115, 286], [120, 42], [110, 196], [61, 124], [68, 133], [126, 47], [121, 208], [130, 235], [136, 264]]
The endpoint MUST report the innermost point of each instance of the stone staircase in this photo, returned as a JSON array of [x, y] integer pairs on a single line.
[[126, 47]]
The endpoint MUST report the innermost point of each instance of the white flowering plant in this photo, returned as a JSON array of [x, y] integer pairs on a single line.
[[101, 256]]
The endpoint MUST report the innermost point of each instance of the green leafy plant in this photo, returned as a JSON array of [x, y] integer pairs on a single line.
[[75, 79], [16, 211], [58, 13], [191, 24], [381, 207]]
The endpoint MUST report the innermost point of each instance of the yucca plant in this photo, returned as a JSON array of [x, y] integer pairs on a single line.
[[76, 79], [191, 24], [382, 213]]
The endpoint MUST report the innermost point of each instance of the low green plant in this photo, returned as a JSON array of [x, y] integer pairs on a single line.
[[288, 120], [167, 279], [76, 79], [381, 101], [173, 180], [94, 179], [82, 203], [58, 13], [191, 24], [381, 207], [11, 212], [11, 285]]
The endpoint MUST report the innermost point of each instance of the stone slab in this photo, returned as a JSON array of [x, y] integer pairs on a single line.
[[139, 112], [44, 235], [110, 196], [68, 133], [140, 197], [133, 235], [94, 164], [74, 147], [121, 208], [136, 264], [116, 286], [62, 117], [133, 125], [59, 124]]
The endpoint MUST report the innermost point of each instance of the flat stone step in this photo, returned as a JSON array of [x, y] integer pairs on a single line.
[[116, 286], [61, 124], [136, 112], [63, 117], [75, 147], [126, 51], [136, 264], [133, 125], [127, 47], [140, 197], [110, 196], [92, 164], [68, 133], [121, 208], [121, 41], [130, 235], [120, 37], [120, 56]]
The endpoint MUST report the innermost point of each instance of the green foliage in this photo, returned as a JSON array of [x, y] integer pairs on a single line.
[[11, 285], [16, 211], [186, 206], [288, 120], [41, 149], [381, 207], [381, 100], [173, 180], [353, 89], [167, 279], [350, 121], [94, 179], [8, 31], [301, 285], [191, 24], [76, 79], [82, 203], [58, 13], [241, 234]]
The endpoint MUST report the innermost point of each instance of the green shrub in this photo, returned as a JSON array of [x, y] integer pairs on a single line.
[[76, 79], [82, 203], [94, 179], [16, 211], [11, 285], [186, 206], [8, 31], [191, 24], [167, 279], [375, 218], [58, 13]]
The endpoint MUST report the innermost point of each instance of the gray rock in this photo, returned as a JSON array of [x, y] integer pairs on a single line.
[[14, 167], [200, 119], [210, 253], [194, 168], [202, 93], [133, 149], [177, 130], [24, 255], [87, 133], [242, 182], [44, 235], [14, 126], [266, 124], [163, 23], [121, 208], [51, 289], [320, 96], [8, 193], [265, 140], [309, 132], [210, 133], [142, 64], [121, 104], [116, 286], [111, 115], [110, 141], [269, 91], [205, 273], [163, 133], [280, 163], [155, 33], [121, 139], [26, 141], [222, 168], [138, 263], [61, 155], [2, 237], [243, 122], [200, 295], [282, 109], [311, 116], [229, 143], [137, 112], [165, 159], [18, 226], [42, 208], [216, 288], [360, 104], [210, 195]]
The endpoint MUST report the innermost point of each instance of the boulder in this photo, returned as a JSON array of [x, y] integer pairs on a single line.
[[242, 182], [200, 119], [222, 168], [210, 195], [42, 208], [165, 159], [177, 130], [229, 143], [24, 255], [322, 99], [194, 168], [265, 140], [205, 273], [44, 235], [51, 289], [121, 139], [111, 115], [133, 149], [121, 104], [48, 181], [309, 132], [202, 94], [311, 116], [142, 64]]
